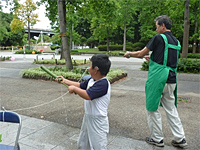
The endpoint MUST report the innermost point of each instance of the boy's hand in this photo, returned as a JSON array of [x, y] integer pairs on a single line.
[[59, 79], [71, 89]]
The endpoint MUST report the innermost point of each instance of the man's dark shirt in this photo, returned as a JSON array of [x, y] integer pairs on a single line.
[[157, 46]]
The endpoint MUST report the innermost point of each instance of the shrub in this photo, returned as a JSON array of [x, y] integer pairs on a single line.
[[27, 52], [61, 62], [145, 66], [54, 47], [115, 53], [3, 58], [185, 65], [138, 46], [189, 65], [73, 52], [113, 47], [191, 55], [75, 74]]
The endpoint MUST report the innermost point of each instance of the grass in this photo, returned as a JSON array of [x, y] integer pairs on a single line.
[[183, 100]]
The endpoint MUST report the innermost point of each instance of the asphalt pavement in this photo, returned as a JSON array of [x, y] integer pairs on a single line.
[[52, 118]]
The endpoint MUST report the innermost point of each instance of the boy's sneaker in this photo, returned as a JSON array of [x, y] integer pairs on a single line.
[[151, 141], [181, 144]]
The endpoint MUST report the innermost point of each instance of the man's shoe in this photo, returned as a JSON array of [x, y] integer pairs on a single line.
[[181, 144], [151, 141]]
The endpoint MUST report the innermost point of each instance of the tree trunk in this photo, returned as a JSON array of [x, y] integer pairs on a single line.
[[124, 46], [195, 38], [62, 21], [71, 39], [108, 41], [29, 36], [186, 30]]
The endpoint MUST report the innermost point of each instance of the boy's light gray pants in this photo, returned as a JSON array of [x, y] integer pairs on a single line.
[[93, 135]]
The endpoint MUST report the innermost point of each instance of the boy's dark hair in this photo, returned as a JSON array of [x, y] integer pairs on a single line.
[[164, 19], [102, 62]]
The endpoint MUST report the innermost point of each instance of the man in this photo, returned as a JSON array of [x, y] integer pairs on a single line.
[[161, 85]]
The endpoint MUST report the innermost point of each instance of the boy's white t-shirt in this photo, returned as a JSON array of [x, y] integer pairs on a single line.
[[99, 92]]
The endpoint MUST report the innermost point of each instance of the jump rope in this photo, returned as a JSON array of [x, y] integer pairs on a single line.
[[60, 97]]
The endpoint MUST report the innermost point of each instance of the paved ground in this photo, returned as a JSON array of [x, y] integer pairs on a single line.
[[56, 123]]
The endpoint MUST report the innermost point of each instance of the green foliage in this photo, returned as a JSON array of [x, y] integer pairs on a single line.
[[191, 55], [188, 65], [113, 48], [138, 46], [54, 47], [145, 66], [7, 37], [75, 74], [74, 52], [3, 58], [61, 62], [27, 52], [115, 53], [185, 65]]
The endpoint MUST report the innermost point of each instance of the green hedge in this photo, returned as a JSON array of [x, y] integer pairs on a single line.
[[191, 55], [189, 65], [113, 48], [186, 65], [54, 47], [129, 47], [27, 52], [138, 46], [75, 74], [75, 62]]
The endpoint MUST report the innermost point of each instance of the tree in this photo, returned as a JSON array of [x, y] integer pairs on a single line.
[[103, 18], [25, 13], [126, 12], [186, 30], [62, 22], [7, 37], [194, 24]]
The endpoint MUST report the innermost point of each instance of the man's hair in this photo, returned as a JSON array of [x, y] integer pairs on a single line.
[[102, 62], [164, 19]]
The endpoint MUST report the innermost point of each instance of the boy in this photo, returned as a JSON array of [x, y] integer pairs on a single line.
[[96, 92]]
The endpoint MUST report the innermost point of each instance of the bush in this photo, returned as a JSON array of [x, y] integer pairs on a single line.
[[75, 62], [138, 46], [113, 48], [54, 47], [75, 74], [3, 58], [74, 52], [27, 52], [145, 66], [185, 65], [191, 55], [115, 53], [189, 65]]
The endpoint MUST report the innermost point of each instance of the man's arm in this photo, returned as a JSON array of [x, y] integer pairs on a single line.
[[138, 54]]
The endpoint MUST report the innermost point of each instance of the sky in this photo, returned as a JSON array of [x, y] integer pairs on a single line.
[[44, 22]]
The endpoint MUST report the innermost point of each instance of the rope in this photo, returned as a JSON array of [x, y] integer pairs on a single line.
[[39, 104]]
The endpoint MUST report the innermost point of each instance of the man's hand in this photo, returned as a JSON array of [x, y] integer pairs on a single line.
[[147, 57], [127, 54]]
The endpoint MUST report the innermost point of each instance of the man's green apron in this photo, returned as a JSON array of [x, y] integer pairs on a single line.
[[157, 78]]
